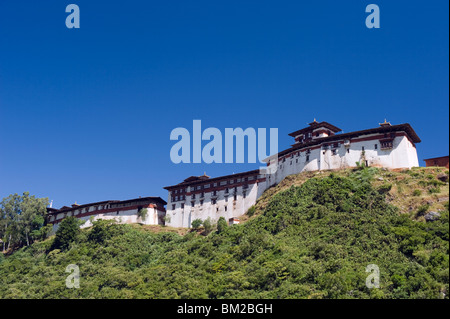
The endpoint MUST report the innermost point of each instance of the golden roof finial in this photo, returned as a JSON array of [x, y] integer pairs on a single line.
[[386, 123]]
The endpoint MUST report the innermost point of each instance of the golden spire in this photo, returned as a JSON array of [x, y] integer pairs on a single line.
[[386, 123]]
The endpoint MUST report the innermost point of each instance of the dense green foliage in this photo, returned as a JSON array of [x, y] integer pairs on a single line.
[[67, 233], [196, 223], [312, 241], [22, 219], [221, 225]]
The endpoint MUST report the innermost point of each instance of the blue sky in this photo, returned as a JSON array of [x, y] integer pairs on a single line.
[[86, 114]]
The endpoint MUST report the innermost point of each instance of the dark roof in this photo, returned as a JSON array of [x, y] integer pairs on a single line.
[[435, 158], [196, 178], [187, 181], [314, 125], [149, 198], [382, 129]]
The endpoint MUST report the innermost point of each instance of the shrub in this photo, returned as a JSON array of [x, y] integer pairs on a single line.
[[422, 210], [207, 224], [417, 192], [142, 213], [434, 190], [67, 233], [221, 225], [385, 188], [103, 230], [251, 211], [196, 223]]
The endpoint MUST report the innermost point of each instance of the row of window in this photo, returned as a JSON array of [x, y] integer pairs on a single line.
[[213, 201], [205, 186], [202, 194]]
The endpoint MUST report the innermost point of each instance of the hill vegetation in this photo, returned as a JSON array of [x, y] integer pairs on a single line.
[[311, 236]]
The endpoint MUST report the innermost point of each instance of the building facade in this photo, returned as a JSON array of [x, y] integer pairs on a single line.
[[200, 197], [437, 161], [320, 146], [125, 211]]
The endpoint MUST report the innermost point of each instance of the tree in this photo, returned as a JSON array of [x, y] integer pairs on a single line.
[[67, 233], [103, 230], [221, 225], [196, 223], [207, 224], [20, 216], [142, 213]]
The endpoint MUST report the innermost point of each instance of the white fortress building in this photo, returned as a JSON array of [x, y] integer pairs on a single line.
[[320, 147], [125, 211], [317, 147], [200, 197]]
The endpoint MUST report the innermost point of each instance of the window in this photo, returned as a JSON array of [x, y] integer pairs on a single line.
[[296, 161], [348, 150], [213, 202], [235, 197], [362, 148], [173, 206], [376, 146], [226, 190], [244, 194], [226, 208], [192, 204], [201, 202], [333, 152], [307, 158], [193, 196], [226, 198], [386, 144], [182, 206]]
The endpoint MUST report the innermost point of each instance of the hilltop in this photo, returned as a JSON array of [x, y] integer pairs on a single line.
[[311, 236]]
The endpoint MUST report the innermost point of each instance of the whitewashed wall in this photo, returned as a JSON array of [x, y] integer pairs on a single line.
[[124, 217], [183, 217]]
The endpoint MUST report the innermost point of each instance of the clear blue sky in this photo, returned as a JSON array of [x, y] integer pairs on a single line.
[[86, 114]]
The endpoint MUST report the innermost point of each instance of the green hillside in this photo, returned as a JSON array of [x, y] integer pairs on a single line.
[[311, 236]]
